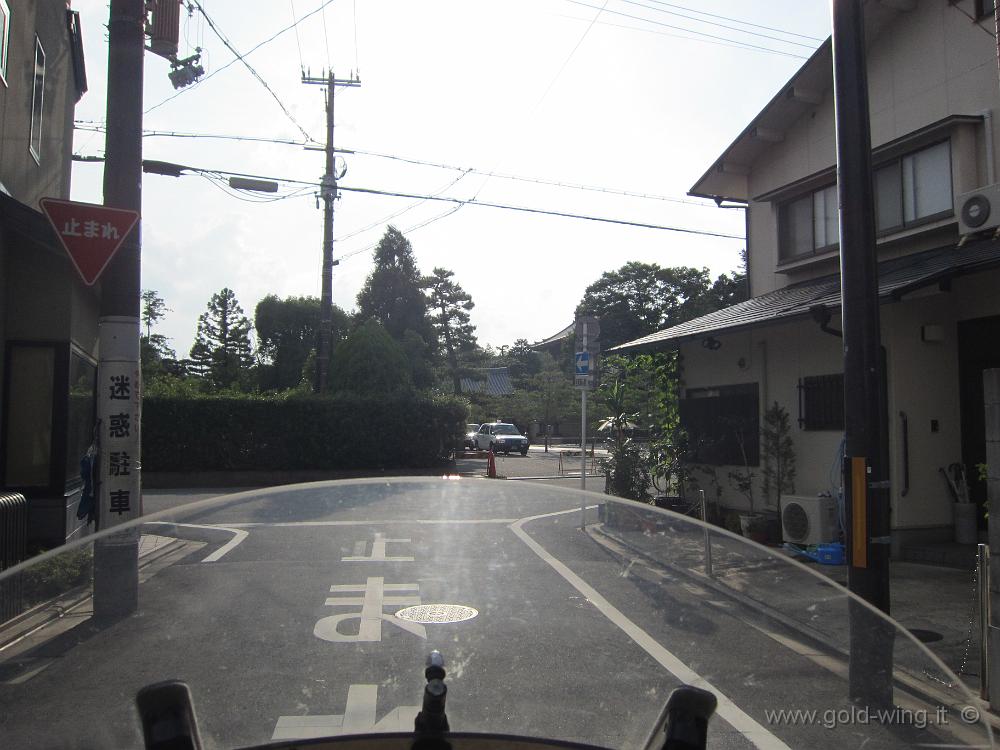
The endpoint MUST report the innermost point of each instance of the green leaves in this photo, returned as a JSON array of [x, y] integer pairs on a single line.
[[221, 352]]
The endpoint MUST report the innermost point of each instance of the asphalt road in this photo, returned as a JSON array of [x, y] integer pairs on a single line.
[[284, 625]]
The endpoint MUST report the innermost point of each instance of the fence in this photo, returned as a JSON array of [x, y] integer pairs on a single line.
[[13, 549]]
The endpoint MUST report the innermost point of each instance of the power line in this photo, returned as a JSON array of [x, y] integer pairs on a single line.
[[298, 39], [239, 58], [467, 202], [408, 230], [98, 128], [738, 20], [734, 44], [716, 24], [229, 46], [687, 30]]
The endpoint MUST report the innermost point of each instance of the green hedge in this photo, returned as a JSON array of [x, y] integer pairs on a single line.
[[272, 433]]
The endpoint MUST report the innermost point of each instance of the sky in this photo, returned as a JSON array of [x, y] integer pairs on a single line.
[[636, 96]]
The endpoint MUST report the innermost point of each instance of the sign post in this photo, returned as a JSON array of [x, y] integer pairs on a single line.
[[588, 328]]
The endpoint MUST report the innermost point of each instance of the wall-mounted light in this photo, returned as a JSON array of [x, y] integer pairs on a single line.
[[711, 343]]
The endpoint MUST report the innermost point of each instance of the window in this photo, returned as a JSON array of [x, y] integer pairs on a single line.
[[37, 100], [914, 188], [722, 424], [81, 414], [4, 38], [30, 384], [821, 402], [984, 8], [810, 224]]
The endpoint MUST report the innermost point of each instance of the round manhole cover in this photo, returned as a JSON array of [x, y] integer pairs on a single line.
[[926, 636], [428, 614]]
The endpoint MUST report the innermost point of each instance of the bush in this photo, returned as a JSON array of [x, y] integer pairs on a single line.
[[58, 575], [342, 432]]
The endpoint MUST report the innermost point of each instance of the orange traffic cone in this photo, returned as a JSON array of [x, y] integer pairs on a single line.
[[491, 465]]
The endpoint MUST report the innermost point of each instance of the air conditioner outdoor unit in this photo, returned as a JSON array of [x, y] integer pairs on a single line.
[[978, 210], [809, 520]]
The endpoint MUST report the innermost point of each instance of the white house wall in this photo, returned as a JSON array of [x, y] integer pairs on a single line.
[[926, 65], [923, 382]]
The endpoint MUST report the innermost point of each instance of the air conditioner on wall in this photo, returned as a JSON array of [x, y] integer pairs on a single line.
[[978, 210], [809, 520]]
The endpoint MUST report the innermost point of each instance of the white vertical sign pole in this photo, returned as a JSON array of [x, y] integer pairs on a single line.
[[118, 411], [583, 439]]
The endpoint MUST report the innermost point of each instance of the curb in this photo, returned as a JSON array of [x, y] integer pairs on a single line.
[[64, 603], [907, 681]]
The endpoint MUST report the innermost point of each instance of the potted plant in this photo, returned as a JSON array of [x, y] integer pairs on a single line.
[[752, 523], [777, 461]]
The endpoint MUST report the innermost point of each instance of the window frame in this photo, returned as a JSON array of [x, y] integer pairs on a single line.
[[981, 12], [784, 256], [898, 162], [4, 39], [40, 108]]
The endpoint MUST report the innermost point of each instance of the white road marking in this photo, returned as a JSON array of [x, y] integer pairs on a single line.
[[358, 717], [378, 551], [431, 521], [729, 711], [371, 615], [238, 536]]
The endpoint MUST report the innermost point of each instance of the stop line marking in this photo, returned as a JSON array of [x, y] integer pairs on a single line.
[[424, 521]]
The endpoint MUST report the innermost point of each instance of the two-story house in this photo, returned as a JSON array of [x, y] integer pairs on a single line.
[[48, 317], [934, 95]]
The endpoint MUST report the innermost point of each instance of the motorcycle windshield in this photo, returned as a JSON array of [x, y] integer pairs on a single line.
[[308, 610]]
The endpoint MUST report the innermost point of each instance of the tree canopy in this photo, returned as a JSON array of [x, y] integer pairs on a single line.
[[640, 298], [449, 311], [393, 292], [221, 352], [370, 362], [286, 334]]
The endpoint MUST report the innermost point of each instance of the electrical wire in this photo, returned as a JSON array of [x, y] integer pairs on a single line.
[[90, 126], [717, 24], [357, 55], [298, 39], [239, 58], [222, 37], [485, 204], [734, 44], [326, 38], [972, 18], [408, 230], [397, 214], [738, 20], [684, 29], [545, 94]]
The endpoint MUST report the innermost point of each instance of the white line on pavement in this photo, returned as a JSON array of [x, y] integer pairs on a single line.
[[401, 521], [238, 536], [729, 711]]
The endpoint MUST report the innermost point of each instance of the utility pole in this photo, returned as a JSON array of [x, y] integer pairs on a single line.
[[116, 562], [328, 192], [865, 460]]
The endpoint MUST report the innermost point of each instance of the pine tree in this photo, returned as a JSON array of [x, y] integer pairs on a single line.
[[221, 352], [393, 293], [450, 306]]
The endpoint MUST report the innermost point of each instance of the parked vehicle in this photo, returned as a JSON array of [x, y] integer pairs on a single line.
[[501, 437], [470, 436]]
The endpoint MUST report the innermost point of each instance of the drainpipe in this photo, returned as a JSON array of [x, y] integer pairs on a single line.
[[988, 130]]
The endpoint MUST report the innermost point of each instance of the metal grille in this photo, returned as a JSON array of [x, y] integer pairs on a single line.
[[430, 614], [821, 402], [795, 521], [13, 549]]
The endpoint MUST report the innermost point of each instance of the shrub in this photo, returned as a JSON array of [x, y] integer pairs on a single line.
[[342, 432]]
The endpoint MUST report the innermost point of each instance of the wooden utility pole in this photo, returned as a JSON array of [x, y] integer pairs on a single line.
[[328, 192]]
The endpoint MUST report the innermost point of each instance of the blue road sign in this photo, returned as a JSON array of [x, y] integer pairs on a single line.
[[583, 363]]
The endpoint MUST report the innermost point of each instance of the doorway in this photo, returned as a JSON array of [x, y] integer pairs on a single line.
[[978, 350]]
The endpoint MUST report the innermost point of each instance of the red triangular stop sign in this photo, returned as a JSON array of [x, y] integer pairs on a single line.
[[90, 233]]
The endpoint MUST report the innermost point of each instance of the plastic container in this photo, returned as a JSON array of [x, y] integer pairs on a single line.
[[830, 554]]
